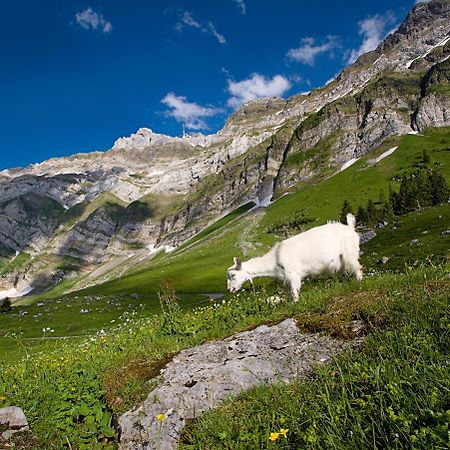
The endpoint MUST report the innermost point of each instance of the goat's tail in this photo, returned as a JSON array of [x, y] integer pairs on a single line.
[[351, 220]]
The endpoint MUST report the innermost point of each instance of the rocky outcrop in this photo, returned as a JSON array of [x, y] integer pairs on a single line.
[[434, 106], [15, 421], [200, 378]]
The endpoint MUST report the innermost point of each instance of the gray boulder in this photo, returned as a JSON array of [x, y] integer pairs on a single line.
[[14, 418], [200, 378]]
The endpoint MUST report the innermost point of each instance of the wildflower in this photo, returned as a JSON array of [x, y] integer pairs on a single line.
[[274, 436], [161, 417], [2, 398], [284, 431]]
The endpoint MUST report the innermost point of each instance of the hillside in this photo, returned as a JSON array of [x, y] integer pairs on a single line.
[[110, 210], [121, 334]]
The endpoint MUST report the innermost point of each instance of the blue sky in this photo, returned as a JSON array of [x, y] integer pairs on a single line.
[[75, 75]]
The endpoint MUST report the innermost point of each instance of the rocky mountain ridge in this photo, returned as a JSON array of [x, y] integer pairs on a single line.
[[151, 189]]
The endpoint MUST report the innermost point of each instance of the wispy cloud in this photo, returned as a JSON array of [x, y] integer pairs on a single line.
[[256, 86], [212, 29], [241, 5], [91, 20], [187, 20], [192, 115], [373, 30], [308, 49]]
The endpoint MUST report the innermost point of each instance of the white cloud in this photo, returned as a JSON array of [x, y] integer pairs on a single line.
[[215, 33], [187, 20], [257, 86], [89, 19], [308, 49], [373, 29], [241, 5], [191, 115]]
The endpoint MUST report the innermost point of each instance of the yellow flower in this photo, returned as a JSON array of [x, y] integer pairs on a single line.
[[274, 436], [161, 417], [2, 398], [284, 431]]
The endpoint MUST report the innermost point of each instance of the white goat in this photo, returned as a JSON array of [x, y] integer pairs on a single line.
[[330, 248]]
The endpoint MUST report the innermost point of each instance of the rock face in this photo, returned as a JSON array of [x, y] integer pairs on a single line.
[[15, 421], [198, 379], [151, 190]]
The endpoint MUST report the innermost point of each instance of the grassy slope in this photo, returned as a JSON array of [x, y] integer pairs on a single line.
[[78, 382], [391, 392], [201, 268]]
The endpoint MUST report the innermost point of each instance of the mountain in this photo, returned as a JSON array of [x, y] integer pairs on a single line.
[[79, 217]]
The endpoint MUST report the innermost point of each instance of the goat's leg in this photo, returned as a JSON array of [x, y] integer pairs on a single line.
[[295, 283], [351, 266]]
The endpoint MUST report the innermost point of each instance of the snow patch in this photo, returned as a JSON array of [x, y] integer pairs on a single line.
[[156, 173], [385, 154], [439, 44], [349, 163], [155, 249], [14, 293], [377, 60]]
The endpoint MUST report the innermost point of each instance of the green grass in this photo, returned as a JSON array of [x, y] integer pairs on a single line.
[[392, 392], [22, 328], [397, 240], [76, 383], [220, 223], [15, 263]]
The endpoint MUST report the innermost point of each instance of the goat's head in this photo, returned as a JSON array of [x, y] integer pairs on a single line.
[[236, 276]]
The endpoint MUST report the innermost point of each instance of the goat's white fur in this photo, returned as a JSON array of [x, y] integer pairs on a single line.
[[330, 248]]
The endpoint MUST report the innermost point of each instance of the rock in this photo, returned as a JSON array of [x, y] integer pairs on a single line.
[[414, 242], [14, 418], [200, 378], [383, 260], [366, 236], [445, 233], [134, 295]]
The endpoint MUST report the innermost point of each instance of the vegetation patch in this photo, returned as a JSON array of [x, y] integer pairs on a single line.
[[391, 392]]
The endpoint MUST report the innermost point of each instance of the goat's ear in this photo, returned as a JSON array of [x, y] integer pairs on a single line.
[[237, 263]]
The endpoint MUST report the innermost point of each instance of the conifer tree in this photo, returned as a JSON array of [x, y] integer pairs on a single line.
[[387, 212], [362, 216], [439, 190], [372, 213], [346, 208], [425, 158]]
